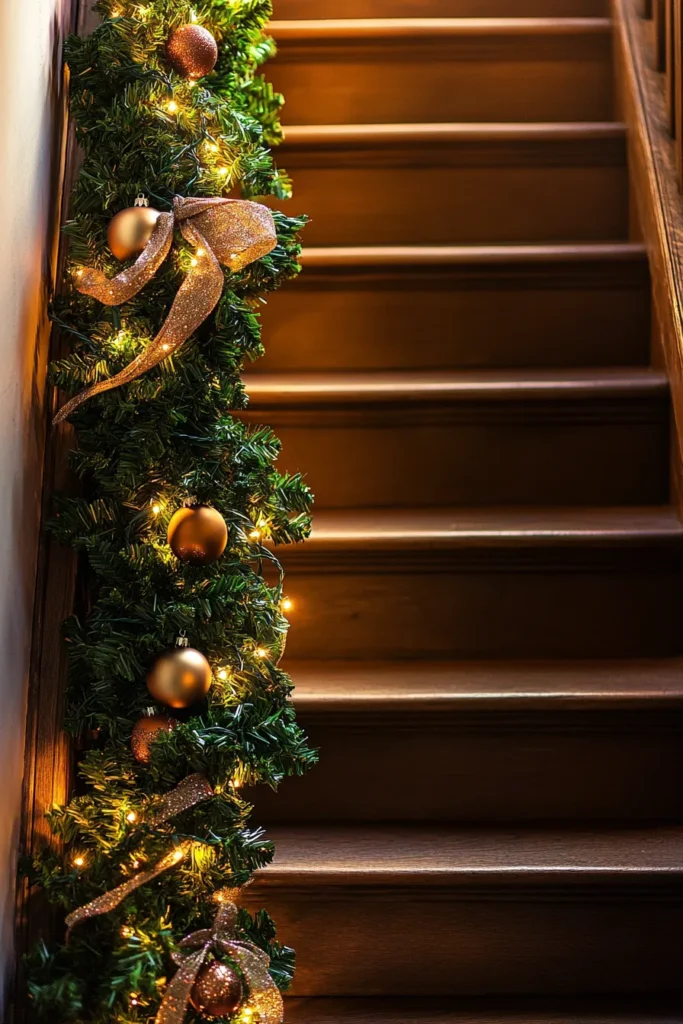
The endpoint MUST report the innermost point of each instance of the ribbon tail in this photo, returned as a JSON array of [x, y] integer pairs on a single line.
[[116, 290], [197, 297], [110, 900], [177, 995], [264, 999]]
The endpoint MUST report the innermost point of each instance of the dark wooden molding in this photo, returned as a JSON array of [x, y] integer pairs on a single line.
[[47, 754]]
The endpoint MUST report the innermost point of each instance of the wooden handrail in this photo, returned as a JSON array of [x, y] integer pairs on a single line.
[[650, 90]]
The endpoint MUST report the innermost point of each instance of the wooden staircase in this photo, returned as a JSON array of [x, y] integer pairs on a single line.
[[486, 628]]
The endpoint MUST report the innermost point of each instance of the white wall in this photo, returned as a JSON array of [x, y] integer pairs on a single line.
[[31, 101]]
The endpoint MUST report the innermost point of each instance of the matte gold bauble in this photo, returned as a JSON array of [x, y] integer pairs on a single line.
[[180, 677], [192, 51], [197, 535], [130, 231], [145, 731], [218, 990]]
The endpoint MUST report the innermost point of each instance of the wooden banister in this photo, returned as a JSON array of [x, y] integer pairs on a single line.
[[650, 91]]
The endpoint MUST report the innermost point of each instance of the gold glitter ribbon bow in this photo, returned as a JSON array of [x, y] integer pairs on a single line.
[[263, 1004], [232, 232], [191, 791]]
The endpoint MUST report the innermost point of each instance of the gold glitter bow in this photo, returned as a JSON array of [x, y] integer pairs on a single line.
[[233, 232], [191, 791], [263, 1004]]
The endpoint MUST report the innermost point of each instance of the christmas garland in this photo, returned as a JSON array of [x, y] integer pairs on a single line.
[[174, 693]]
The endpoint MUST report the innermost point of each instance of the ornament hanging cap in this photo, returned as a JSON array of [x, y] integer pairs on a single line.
[[181, 640], [141, 200]]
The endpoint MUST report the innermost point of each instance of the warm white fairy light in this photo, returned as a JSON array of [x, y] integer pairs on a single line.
[[131, 817], [287, 604]]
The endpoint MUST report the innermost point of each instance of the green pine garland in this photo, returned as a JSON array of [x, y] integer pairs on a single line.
[[143, 450]]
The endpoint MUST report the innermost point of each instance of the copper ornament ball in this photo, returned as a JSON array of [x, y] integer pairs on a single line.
[[197, 535], [192, 51], [145, 731], [130, 230], [218, 990], [179, 678]]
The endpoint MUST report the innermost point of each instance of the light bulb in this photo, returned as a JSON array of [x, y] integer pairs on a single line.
[[223, 673], [172, 107], [79, 861], [178, 855], [255, 535], [194, 262], [156, 509], [131, 817], [287, 604], [261, 652]]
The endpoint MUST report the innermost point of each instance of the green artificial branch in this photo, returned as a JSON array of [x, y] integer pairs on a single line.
[[143, 450]]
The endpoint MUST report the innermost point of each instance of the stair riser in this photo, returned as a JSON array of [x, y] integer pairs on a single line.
[[499, 455], [510, 78], [442, 319], [285, 9], [389, 612], [407, 941], [450, 767], [460, 206]]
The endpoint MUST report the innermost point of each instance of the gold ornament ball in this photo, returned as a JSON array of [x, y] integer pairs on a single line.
[[192, 51], [198, 534], [130, 230], [180, 677], [218, 991], [145, 731]]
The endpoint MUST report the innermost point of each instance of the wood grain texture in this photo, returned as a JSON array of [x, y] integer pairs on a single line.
[[467, 183], [450, 1011], [354, 71], [498, 742], [592, 438], [450, 307], [458, 911]]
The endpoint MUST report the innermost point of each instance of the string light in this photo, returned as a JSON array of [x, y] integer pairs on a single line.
[[255, 535], [223, 673], [212, 147], [287, 604], [131, 817], [178, 855], [261, 652], [134, 999], [136, 864], [193, 15], [172, 107], [126, 932], [156, 509], [224, 171], [79, 861]]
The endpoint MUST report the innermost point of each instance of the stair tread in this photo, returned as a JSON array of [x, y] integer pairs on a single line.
[[468, 385], [332, 687], [379, 134], [357, 854], [377, 1010], [317, 256], [373, 28], [351, 528]]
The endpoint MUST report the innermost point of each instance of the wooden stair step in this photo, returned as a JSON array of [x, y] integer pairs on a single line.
[[448, 307], [596, 436], [441, 8], [444, 1011], [433, 184], [351, 71], [493, 582], [504, 741], [441, 910]]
